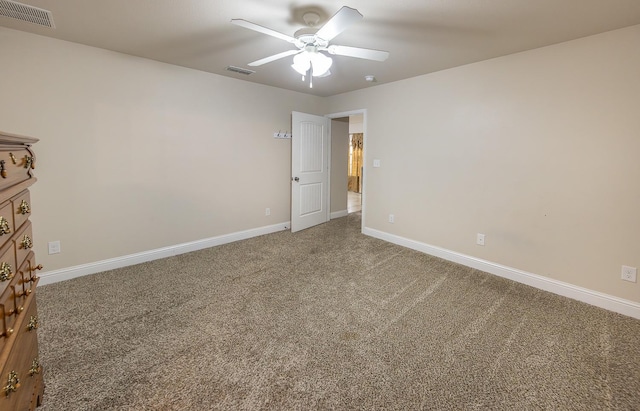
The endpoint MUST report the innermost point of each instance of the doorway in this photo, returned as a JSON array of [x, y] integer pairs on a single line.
[[348, 187], [354, 170]]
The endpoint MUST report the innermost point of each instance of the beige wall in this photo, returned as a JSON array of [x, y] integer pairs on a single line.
[[339, 165], [537, 150], [135, 155]]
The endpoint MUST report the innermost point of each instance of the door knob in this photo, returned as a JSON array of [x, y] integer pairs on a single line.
[[296, 179]]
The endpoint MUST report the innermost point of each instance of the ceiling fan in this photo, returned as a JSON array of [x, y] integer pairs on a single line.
[[309, 59]]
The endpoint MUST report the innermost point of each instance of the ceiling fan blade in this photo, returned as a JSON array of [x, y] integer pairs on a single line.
[[260, 29], [367, 54], [340, 21], [274, 57]]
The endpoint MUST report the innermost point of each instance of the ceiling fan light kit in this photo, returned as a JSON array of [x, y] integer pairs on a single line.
[[309, 59], [318, 63]]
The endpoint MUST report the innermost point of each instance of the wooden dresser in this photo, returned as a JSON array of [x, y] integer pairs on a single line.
[[21, 382]]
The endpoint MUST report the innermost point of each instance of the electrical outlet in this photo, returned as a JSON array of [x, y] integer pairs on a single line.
[[54, 247], [392, 218], [629, 273], [267, 211], [480, 239]]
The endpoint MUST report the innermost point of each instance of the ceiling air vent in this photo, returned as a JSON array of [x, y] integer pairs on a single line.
[[26, 13], [238, 70]]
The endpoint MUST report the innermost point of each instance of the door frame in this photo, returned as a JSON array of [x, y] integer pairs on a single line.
[[342, 114]]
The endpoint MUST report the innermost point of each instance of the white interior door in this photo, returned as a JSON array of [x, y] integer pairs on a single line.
[[309, 170]]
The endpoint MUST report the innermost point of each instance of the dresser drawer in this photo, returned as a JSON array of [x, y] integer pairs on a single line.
[[6, 222], [21, 208], [15, 165], [7, 265], [22, 370], [26, 280], [23, 242], [10, 309]]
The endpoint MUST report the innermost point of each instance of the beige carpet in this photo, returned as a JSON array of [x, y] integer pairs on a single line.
[[327, 319]]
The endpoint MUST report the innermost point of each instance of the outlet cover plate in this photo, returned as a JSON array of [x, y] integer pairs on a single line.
[[480, 239], [54, 247], [629, 273]]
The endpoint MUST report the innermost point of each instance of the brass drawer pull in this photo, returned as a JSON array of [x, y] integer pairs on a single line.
[[35, 367], [28, 162], [3, 170], [6, 273], [25, 293], [24, 208], [16, 311], [13, 158], [33, 323], [8, 332], [13, 383], [26, 242], [4, 226], [32, 269]]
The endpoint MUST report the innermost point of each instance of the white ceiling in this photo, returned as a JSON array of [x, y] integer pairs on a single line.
[[422, 36]]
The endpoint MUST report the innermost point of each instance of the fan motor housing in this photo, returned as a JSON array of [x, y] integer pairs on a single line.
[[307, 35]]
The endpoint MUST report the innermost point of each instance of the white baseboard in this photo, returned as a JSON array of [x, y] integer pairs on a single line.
[[55, 276], [608, 302], [338, 214]]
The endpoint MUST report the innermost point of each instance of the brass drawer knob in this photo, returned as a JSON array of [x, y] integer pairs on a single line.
[[33, 323], [24, 208], [8, 332], [13, 158], [3, 170], [4, 226], [35, 367], [6, 273], [13, 383], [26, 242]]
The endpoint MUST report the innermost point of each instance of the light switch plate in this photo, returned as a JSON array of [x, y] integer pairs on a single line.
[[376, 163]]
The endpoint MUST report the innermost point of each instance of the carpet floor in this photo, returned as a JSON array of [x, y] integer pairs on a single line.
[[327, 318]]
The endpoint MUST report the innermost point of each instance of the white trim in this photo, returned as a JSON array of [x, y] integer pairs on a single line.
[[606, 301], [338, 214], [55, 276], [346, 113]]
